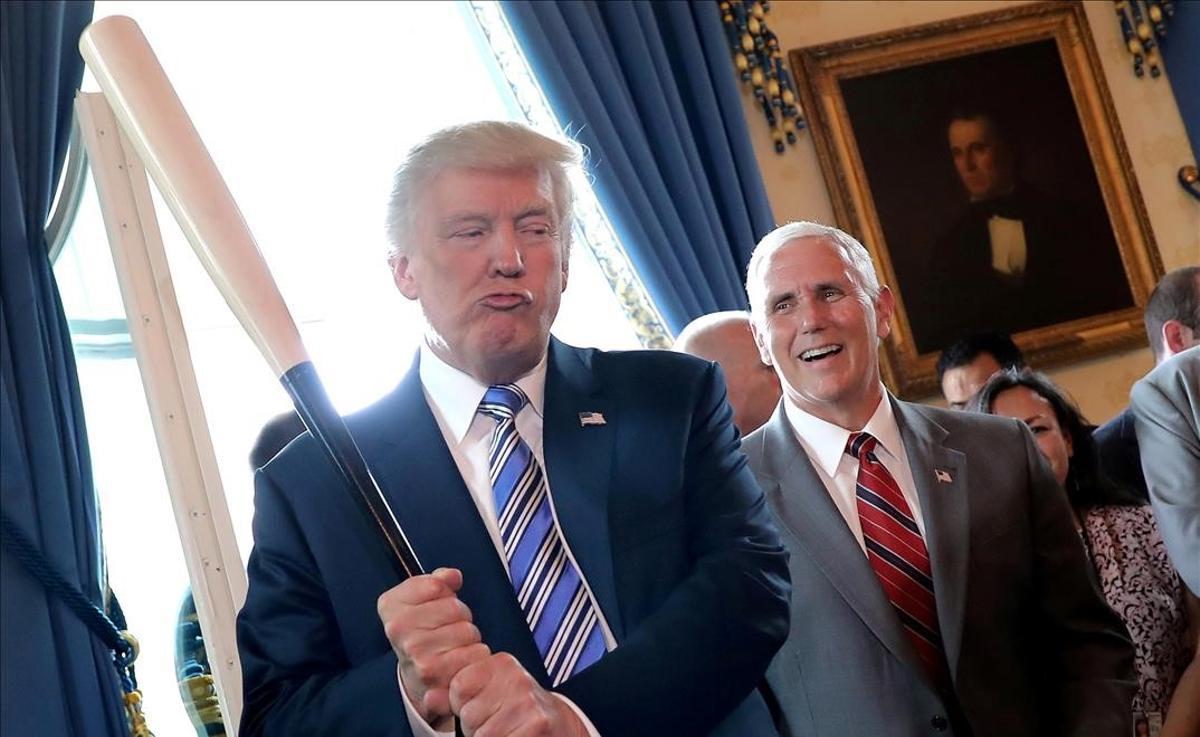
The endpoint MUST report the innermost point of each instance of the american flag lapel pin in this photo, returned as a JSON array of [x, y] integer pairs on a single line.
[[591, 418], [942, 476]]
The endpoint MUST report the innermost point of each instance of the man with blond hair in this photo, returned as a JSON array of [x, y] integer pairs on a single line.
[[602, 560]]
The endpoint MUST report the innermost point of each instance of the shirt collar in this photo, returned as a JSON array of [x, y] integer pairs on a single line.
[[458, 394], [825, 442]]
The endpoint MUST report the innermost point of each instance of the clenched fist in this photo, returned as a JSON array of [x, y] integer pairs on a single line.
[[496, 697], [433, 636]]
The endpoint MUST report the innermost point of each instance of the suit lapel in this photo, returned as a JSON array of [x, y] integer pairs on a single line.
[[940, 473], [804, 507], [418, 476], [578, 466]]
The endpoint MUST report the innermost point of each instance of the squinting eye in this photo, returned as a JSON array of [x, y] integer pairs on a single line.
[[473, 233], [783, 306]]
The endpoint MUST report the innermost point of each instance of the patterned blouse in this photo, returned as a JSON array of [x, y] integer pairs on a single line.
[[1142, 587]]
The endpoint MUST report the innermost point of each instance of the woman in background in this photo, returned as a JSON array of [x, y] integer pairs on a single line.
[[1123, 544]]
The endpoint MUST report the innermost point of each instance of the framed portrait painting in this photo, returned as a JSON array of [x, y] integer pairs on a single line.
[[980, 161]]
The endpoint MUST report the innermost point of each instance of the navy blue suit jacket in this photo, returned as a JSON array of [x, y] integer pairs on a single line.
[[1120, 459], [658, 506]]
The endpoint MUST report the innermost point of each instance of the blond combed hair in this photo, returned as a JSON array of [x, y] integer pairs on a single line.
[[493, 145]]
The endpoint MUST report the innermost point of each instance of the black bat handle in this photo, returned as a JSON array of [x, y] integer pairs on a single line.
[[326, 425]]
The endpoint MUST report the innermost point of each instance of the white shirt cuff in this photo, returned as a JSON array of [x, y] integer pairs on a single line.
[[420, 727], [587, 723]]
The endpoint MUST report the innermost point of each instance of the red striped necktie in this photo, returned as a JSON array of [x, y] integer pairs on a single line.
[[898, 555]]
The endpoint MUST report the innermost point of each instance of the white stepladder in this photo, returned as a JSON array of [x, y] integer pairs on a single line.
[[137, 128], [156, 329]]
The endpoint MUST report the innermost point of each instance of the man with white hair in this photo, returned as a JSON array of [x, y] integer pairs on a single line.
[[725, 337], [602, 560], [938, 582]]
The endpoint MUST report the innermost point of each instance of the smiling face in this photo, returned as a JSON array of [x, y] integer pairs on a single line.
[[486, 265], [821, 330], [1034, 410]]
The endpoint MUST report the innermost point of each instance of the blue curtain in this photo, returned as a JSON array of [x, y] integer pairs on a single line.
[[55, 677], [1181, 57], [650, 88]]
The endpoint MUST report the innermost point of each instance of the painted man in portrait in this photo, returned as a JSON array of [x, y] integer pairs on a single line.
[[1016, 258]]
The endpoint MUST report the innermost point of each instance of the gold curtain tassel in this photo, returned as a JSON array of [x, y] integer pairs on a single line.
[[758, 59], [134, 716]]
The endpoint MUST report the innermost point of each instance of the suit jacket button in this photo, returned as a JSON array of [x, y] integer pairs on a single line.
[[939, 723]]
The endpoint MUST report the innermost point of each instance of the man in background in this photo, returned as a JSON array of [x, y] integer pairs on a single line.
[[967, 364], [274, 436], [725, 337], [1166, 404], [938, 582], [1172, 319]]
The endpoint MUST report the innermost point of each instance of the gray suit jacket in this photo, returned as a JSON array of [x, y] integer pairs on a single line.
[[1032, 647], [1166, 404]]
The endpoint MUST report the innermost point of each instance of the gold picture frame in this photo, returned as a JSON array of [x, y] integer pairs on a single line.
[[880, 109]]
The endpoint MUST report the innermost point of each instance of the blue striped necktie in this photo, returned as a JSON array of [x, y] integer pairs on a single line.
[[557, 606]]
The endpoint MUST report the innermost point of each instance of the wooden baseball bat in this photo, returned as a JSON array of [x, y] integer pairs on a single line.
[[154, 120]]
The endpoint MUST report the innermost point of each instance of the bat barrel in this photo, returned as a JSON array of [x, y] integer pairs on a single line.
[[158, 127], [155, 122]]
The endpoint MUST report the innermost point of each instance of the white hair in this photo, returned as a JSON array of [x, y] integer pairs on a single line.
[[855, 255], [490, 145]]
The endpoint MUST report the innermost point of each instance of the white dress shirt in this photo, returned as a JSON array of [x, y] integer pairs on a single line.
[[825, 445], [454, 398], [1009, 252]]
